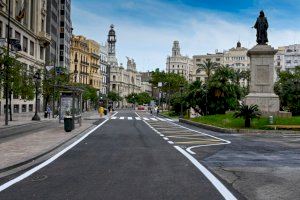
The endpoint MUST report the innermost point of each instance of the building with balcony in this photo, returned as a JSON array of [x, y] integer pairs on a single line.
[[28, 25], [104, 69], [59, 26], [179, 64], [95, 78], [287, 57]]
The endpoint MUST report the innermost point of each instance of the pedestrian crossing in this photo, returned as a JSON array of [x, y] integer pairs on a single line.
[[142, 118]]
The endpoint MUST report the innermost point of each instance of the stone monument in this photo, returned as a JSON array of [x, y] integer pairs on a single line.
[[262, 71]]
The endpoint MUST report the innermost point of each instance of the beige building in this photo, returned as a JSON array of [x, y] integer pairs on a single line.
[[28, 25], [179, 64], [85, 61], [200, 59], [125, 81]]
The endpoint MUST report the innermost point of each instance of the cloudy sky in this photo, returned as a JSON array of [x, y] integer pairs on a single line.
[[146, 29]]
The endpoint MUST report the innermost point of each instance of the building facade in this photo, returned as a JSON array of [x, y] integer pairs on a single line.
[[288, 57], [85, 62], [28, 25], [121, 81], [179, 64], [59, 26], [200, 59], [237, 58], [104, 69]]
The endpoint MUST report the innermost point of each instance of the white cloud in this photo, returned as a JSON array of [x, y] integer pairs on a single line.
[[199, 32]]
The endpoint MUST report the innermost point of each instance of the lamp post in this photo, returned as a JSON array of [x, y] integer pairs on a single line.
[[181, 104], [37, 80]]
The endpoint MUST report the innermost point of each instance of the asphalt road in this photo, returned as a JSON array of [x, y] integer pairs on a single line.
[[123, 159]]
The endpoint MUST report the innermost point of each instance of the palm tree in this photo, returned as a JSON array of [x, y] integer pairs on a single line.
[[248, 113], [208, 67]]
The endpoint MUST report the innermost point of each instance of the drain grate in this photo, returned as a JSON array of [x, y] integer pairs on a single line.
[[38, 178]]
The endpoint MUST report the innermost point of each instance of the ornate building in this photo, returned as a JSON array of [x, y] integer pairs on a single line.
[[85, 62], [122, 81], [104, 69], [28, 26], [179, 64]]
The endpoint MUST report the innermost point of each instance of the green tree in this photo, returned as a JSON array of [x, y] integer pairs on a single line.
[[248, 113], [144, 98], [196, 97], [132, 98], [288, 90], [208, 67], [113, 96]]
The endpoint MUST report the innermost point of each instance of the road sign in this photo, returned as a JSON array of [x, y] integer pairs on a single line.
[[48, 68]]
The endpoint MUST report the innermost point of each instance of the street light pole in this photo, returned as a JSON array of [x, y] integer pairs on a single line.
[[37, 79], [181, 104], [6, 67]]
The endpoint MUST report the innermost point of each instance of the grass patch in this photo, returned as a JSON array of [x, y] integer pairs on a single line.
[[228, 121], [169, 114]]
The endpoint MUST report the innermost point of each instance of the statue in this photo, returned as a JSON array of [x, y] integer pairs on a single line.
[[261, 27]]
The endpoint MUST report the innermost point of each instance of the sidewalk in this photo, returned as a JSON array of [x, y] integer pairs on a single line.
[[16, 151]]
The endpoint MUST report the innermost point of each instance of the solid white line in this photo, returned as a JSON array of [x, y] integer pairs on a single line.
[[218, 185], [137, 118], [154, 119], [145, 118], [202, 145], [121, 117], [129, 118], [50, 160]]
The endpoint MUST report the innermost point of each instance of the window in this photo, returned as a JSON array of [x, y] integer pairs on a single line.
[[25, 44], [1, 28], [17, 35], [24, 108], [10, 31], [218, 59], [31, 48], [30, 107], [16, 108], [41, 53]]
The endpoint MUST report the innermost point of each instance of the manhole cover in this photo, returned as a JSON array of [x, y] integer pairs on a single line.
[[39, 178]]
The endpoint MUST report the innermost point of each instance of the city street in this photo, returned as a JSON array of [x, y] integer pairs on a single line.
[[135, 155]]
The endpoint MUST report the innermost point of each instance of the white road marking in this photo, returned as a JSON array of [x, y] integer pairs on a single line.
[[170, 142], [121, 117], [145, 118], [161, 119], [113, 117], [129, 118], [165, 138], [137, 118], [154, 119], [50, 160], [170, 120], [218, 185]]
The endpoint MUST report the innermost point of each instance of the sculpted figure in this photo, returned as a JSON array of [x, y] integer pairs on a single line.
[[261, 27]]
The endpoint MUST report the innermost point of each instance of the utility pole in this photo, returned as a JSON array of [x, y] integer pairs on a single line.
[[6, 67]]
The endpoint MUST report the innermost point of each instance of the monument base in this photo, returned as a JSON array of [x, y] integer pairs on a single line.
[[268, 103]]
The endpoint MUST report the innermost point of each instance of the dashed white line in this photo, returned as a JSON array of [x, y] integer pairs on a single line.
[[154, 119], [137, 118], [170, 142], [165, 138], [113, 117], [129, 118], [145, 118], [122, 117]]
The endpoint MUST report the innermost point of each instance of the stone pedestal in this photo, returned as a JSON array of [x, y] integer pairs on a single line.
[[262, 79]]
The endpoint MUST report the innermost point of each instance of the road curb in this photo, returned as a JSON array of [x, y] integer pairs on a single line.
[[225, 130], [47, 151]]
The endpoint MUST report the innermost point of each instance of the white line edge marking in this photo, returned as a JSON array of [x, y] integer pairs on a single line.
[[137, 118], [122, 118], [50, 160], [170, 142], [218, 185], [129, 118], [165, 138]]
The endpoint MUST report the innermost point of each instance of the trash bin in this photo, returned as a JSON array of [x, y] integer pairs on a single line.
[[46, 114], [105, 111], [68, 123]]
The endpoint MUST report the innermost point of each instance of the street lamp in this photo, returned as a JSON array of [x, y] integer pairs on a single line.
[[37, 80], [181, 104]]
